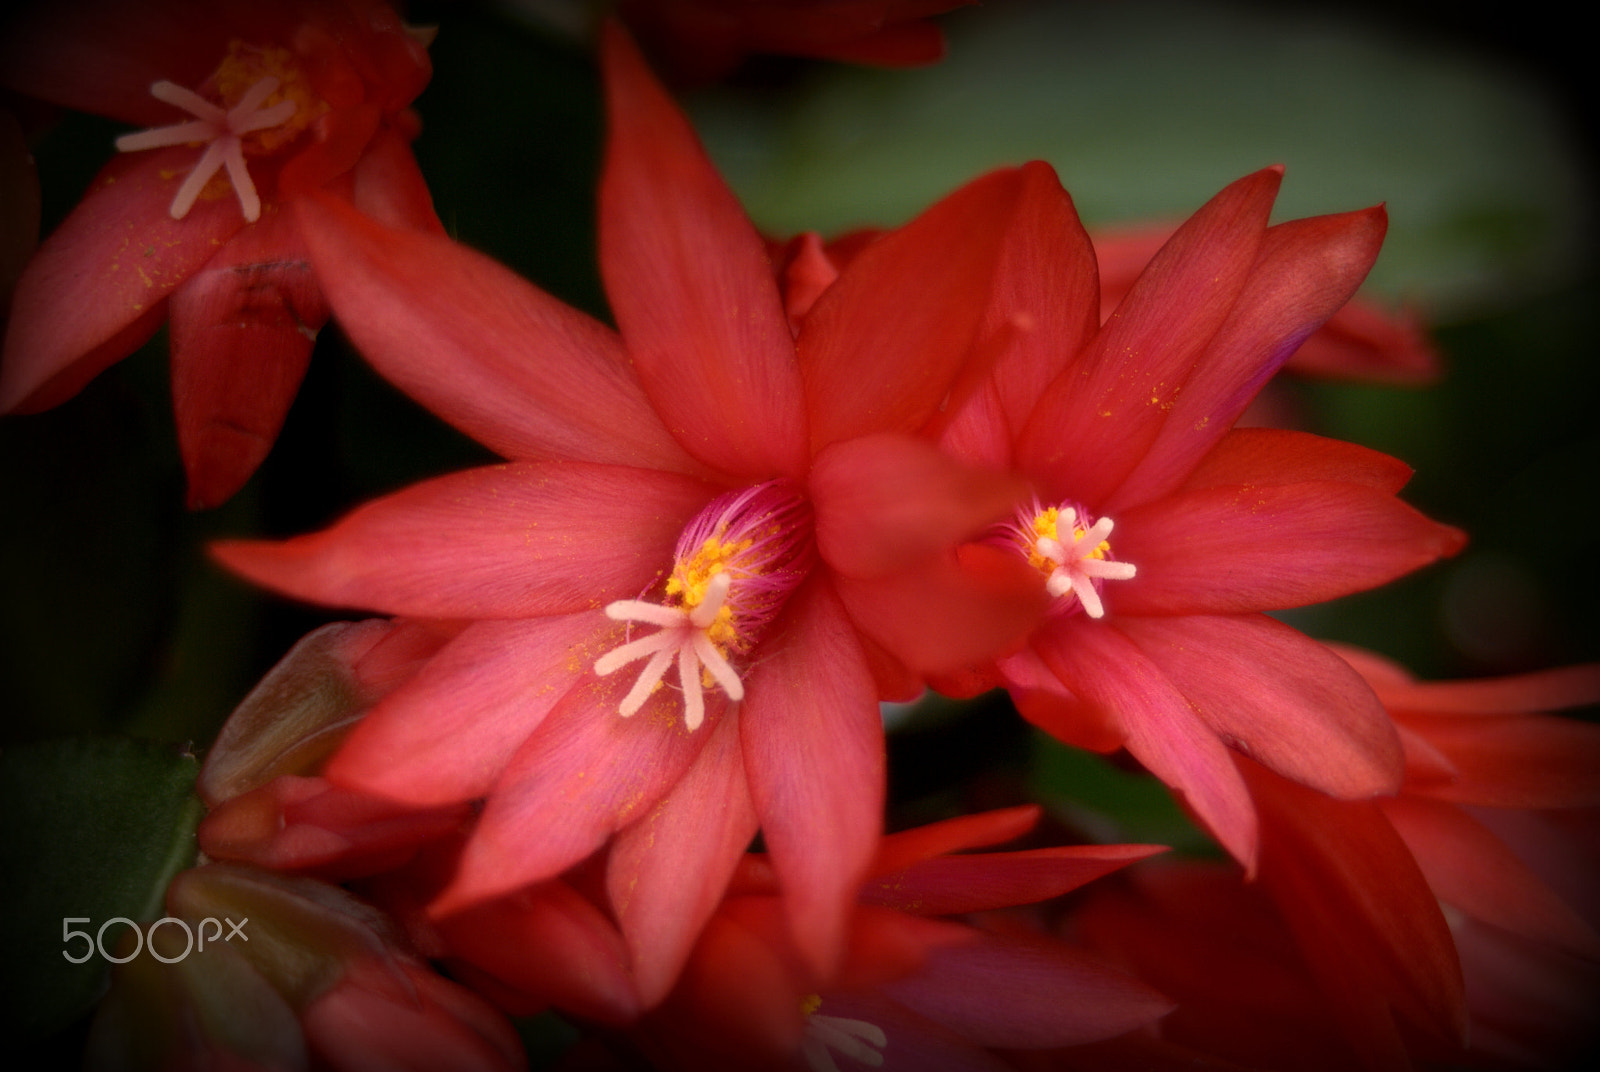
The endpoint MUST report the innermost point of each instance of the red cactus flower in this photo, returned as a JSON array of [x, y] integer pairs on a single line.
[[1452, 923], [1161, 534], [656, 583], [915, 990], [248, 107]]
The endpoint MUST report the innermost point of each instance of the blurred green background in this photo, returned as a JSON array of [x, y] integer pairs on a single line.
[[113, 621]]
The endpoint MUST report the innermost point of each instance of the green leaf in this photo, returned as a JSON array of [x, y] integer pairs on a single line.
[[95, 829]]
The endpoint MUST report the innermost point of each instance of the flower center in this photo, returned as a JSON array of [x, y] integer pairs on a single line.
[[735, 565], [1071, 550], [265, 103], [856, 1039]]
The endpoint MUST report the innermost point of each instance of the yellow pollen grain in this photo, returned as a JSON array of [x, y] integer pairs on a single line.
[[810, 1004], [244, 66], [691, 577], [1044, 527]]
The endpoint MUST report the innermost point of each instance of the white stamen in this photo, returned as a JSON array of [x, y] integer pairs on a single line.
[[856, 1039], [224, 130], [684, 636], [1076, 565]]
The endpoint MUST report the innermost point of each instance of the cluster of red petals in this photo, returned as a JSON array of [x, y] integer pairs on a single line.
[[698, 41], [1133, 420], [1361, 341], [741, 993], [242, 299], [1452, 922], [618, 441], [939, 992]]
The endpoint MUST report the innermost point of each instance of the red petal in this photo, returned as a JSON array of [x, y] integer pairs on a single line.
[[1277, 456], [1162, 730], [896, 852], [1046, 293], [1543, 690], [884, 502], [738, 1004], [1278, 697], [1514, 761], [1362, 914], [1365, 342], [505, 541], [1041, 699], [1473, 870], [948, 615], [691, 286], [1027, 994], [108, 267], [882, 347], [668, 871], [1095, 422], [524, 374], [1305, 271], [389, 187], [242, 329], [814, 754], [103, 56], [552, 945], [1232, 549], [907, 44], [978, 432], [584, 774], [450, 732], [951, 885]]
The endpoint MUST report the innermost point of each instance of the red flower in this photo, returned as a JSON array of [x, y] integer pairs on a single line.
[[698, 41], [1380, 926], [1501, 810], [657, 584], [1161, 534], [914, 990], [286, 99]]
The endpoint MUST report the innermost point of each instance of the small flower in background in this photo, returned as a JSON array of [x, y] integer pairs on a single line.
[[1162, 533], [246, 107], [1452, 923], [658, 584], [1501, 810], [1360, 341], [918, 987], [314, 978]]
